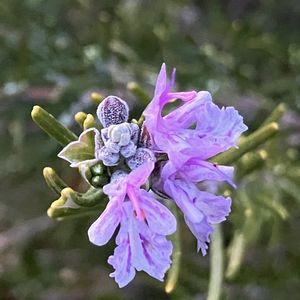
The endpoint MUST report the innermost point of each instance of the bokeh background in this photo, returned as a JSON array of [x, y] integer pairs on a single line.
[[54, 53]]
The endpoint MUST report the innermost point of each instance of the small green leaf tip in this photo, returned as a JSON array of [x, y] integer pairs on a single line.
[[137, 91], [52, 126], [96, 98], [55, 183], [80, 118], [173, 273], [89, 122]]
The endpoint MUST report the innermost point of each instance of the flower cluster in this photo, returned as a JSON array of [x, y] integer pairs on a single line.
[[167, 155]]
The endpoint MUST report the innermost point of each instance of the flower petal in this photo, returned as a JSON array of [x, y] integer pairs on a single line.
[[103, 228], [160, 220], [215, 208], [121, 262], [140, 175], [185, 115], [201, 231], [184, 193], [197, 170]]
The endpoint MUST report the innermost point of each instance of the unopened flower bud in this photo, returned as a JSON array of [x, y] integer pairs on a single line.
[[141, 156], [112, 111]]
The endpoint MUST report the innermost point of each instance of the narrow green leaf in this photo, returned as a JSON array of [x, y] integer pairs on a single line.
[[51, 126]]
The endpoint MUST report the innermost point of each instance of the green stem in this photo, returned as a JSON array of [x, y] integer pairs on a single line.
[[88, 199], [247, 144], [60, 213], [250, 162], [173, 273], [275, 115], [216, 265], [52, 127], [237, 250]]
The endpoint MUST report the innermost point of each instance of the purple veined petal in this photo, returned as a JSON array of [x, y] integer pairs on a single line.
[[117, 187], [184, 194], [217, 130], [132, 194], [103, 228], [140, 175], [215, 208], [185, 115], [160, 220], [142, 249], [197, 170], [201, 231], [221, 122], [122, 258], [121, 262], [112, 110], [153, 255], [184, 96]]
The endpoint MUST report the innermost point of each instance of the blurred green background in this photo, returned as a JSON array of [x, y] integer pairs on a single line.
[[54, 53]]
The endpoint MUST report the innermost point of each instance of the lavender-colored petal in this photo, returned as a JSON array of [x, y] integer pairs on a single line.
[[122, 258], [117, 187], [151, 252], [215, 208], [112, 110], [103, 228], [160, 220], [140, 175], [161, 81], [185, 195], [197, 170], [185, 115], [201, 231], [121, 262]]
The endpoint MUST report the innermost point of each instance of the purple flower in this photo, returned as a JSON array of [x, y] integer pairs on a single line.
[[144, 224], [177, 146], [216, 130], [201, 209], [191, 134]]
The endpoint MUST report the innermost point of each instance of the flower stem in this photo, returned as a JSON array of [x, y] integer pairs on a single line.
[[173, 273], [216, 265], [88, 199], [52, 127], [60, 213], [250, 162], [237, 250], [247, 144]]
